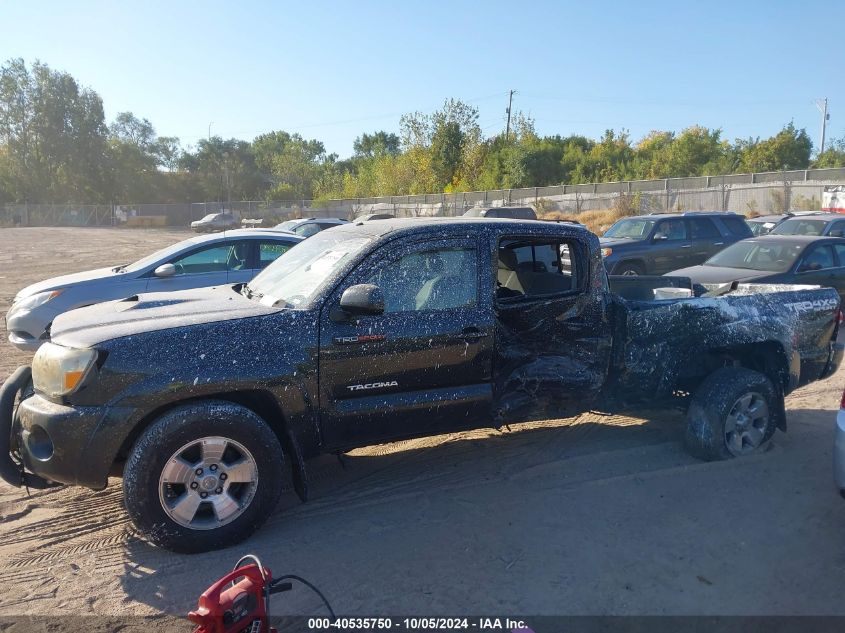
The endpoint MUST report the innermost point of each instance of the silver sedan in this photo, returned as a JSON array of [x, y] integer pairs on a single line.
[[228, 258]]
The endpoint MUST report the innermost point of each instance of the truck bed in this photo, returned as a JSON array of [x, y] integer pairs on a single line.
[[660, 340]]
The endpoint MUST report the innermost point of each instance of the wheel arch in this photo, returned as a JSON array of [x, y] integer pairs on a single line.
[[635, 260], [766, 357], [260, 402]]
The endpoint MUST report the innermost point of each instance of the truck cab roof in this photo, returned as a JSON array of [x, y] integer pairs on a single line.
[[453, 225]]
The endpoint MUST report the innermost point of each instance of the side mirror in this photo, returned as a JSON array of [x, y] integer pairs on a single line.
[[362, 300], [808, 268], [836, 233], [165, 270], [659, 237]]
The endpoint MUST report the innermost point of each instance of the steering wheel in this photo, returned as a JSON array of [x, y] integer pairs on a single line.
[[180, 269]]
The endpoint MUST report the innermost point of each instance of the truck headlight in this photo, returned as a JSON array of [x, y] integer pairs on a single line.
[[38, 299], [58, 370]]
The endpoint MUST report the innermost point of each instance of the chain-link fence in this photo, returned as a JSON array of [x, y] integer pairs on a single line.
[[769, 192]]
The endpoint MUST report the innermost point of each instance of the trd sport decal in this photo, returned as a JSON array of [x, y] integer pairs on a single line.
[[373, 385], [366, 338]]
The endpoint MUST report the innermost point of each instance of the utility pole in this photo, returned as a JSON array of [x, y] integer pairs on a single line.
[[821, 104], [209, 130], [508, 128]]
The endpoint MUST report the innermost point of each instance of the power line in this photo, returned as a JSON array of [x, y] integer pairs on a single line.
[[375, 117]]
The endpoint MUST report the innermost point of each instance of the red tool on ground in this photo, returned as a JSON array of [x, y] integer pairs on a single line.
[[240, 601]]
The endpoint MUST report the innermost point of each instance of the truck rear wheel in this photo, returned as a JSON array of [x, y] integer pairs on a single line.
[[204, 475], [732, 414]]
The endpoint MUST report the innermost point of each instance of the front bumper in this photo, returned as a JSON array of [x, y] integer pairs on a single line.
[[11, 469], [839, 453], [61, 443], [25, 330]]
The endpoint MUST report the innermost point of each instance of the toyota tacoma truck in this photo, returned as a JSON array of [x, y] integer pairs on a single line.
[[374, 331]]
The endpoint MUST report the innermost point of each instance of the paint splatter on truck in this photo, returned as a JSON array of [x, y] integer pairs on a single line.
[[370, 332]]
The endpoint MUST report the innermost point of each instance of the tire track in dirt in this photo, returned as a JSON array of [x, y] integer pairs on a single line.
[[62, 525]]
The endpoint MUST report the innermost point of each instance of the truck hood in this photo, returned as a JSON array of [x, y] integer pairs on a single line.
[[720, 274], [67, 280], [86, 327]]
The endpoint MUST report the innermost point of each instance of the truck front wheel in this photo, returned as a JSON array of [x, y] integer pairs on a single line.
[[204, 475], [732, 414]]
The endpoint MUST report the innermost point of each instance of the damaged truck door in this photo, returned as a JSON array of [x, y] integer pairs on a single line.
[[553, 338]]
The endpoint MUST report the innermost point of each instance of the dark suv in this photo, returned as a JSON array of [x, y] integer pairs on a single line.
[[830, 224], [655, 244], [517, 213]]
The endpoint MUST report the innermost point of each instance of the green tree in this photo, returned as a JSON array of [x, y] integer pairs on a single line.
[[296, 168], [833, 156], [224, 168], [381, 142], [788, 149], [53, 135]]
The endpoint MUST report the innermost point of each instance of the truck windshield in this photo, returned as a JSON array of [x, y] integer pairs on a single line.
[[769, 256], [296, 276], [631, 228]]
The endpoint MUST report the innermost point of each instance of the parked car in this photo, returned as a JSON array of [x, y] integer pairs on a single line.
[[763, 224], [839, 449], [776, 259], [832, 224], [657, 243], [517, 213], [309, 226], [376, 331], [374, 216], [237, 256], [214, 222]]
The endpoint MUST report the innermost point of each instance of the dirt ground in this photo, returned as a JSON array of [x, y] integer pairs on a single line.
[[597, 515]]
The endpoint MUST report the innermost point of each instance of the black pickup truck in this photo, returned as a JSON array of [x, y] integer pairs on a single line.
[[376, 331]]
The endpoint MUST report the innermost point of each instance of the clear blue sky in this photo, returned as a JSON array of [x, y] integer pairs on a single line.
[[331, 70]]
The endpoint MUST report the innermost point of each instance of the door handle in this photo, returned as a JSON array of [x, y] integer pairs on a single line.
[[686, 245], [718, 243], [472, 332]]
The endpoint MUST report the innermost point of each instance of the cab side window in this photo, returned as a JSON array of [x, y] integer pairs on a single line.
[[307, 230], [268, 252], [535, 268], [218, 258], [671, 230], [837, 229], [703, 228], [436, 279], [737, 226], [819, 258]]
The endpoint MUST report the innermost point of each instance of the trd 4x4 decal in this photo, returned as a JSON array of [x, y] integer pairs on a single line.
[[364, 338]]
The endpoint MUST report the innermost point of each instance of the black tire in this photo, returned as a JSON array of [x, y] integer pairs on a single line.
[[714, 409], [629, 269], [241, 431]]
